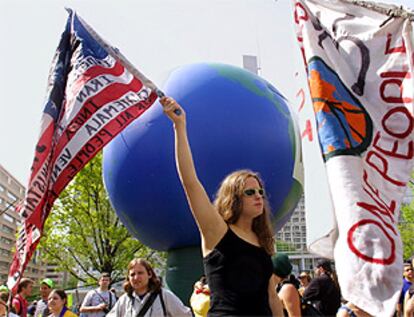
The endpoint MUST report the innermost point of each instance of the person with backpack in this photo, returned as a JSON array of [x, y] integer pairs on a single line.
[[323, 291], [99, 302], [19, 302], [145, 296]]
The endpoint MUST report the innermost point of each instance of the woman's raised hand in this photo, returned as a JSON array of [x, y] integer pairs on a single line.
[[173, 110]]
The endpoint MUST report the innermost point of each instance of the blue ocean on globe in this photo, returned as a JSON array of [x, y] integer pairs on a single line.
[[235, 120]]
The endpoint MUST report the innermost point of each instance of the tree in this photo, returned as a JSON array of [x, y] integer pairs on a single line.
[[283, 246], [83, 235], [406, 225]]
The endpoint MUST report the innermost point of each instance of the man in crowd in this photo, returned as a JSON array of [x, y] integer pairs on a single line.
[[46, 286], [323, 290], [99, 302], [408, 280], [19, 303]]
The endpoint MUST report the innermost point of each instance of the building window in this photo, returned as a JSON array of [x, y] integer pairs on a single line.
[[12, 196], [6, 241], [7, 218], [7, 229], [4, 265], [5, 252]]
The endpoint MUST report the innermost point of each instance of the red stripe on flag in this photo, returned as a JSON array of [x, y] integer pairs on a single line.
[[99, 140], [90, 106], [42, 149], [91, 73]]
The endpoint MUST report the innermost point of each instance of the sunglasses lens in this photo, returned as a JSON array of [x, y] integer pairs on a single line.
[[249, 192], [252, 191]]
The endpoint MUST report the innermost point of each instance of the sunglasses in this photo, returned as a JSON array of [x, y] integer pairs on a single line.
[[252, 191]]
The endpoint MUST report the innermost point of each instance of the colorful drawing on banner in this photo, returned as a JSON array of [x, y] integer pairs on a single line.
[[344, 126]]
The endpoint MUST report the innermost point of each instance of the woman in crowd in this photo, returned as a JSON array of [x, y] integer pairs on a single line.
[[237, 240], [287, 291], [57, 302], [304, 279], [200, 299], [144, 295]]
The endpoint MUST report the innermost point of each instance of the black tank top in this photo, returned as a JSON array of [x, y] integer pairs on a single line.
[[238, 274]]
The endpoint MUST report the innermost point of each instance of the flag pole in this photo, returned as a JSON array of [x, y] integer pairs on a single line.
[[8, 206], [115, 53]]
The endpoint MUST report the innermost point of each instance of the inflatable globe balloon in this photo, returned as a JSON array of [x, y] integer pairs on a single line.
[[235, 120]]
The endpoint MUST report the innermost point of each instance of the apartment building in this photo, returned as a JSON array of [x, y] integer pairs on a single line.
[[11, 192], [292, 240]]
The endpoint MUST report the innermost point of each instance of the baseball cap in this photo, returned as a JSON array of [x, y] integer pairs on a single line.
[[3, 288], [281, 265], [48, 282], [325, 264]]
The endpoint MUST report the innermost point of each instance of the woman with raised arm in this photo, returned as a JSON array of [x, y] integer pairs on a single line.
[[236, 236]]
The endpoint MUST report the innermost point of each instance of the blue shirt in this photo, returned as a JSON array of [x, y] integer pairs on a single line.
[[406, 286]]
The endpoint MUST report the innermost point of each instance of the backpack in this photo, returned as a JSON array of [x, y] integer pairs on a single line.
[[307, 309]]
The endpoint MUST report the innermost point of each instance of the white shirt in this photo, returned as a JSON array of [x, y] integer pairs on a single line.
[[96, 297], [40, 307], [129, 307]]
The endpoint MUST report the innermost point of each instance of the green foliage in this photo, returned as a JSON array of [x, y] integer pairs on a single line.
[[83, 235], [283, 246], [406, 226]]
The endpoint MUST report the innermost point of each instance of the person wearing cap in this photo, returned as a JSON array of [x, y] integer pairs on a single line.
[[4, 296], [322, 291], [46, 286], [287, 292]]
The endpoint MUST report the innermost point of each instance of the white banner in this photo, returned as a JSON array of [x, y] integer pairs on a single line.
[[359, 64]]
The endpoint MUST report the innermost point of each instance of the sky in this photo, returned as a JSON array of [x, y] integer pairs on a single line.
[[157, 36]]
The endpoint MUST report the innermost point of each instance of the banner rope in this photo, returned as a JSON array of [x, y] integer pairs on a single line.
[[386, 9]]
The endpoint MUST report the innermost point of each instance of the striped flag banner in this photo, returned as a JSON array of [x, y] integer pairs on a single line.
[[359, 60], [93, 94]]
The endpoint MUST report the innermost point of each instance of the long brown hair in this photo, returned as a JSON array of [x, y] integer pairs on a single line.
[[229, 204], [154, 283]]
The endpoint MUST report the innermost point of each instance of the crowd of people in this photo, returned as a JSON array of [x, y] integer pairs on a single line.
[[314, 293], [243, 275]]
